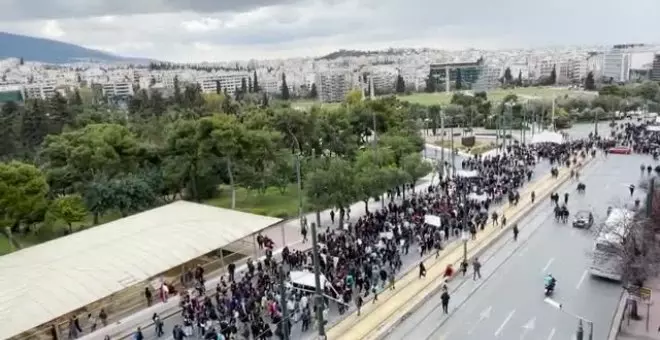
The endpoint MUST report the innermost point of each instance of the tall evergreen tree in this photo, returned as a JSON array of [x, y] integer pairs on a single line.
[[430, 83], [508, 77], [264, 102], [244, 87], [285, 88], [255, 82], [9, 114], [400, 84], [459, 79], [218, 87], [313, 93], [178, 98], [589, 82], [553, 76], [250, 88], [519, 82]]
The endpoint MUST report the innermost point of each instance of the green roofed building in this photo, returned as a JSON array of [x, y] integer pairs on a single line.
[[11, 94], [463, 76]]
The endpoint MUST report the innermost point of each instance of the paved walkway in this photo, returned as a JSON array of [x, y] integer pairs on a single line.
[[123, 328], [649, 314], [377, 318]]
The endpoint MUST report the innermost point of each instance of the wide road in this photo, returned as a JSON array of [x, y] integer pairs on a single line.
[[507, 303]]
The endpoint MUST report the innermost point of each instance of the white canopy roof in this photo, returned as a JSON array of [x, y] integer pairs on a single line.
[[548, 137], [43, 282]]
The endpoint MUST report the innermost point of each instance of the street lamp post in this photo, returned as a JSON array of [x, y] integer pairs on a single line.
[[300, 197], [442, 142], [580, 330], [318, 303], [453, 152], [595, 123]]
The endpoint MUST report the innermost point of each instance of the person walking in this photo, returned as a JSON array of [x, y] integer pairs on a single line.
[[445, 301], [422, 270], [476, 267], [358, 303], [632, 189], [515, 232], [303, 231]]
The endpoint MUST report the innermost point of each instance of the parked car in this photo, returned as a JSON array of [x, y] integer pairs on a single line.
[[583, 219], [621, 150]]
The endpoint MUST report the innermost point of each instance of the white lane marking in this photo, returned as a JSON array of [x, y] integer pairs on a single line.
[[552, 334], [485, 314], [508, 318], [584, 275], [547, 265]]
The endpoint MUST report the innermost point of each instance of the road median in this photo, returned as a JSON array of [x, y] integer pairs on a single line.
[[395, 305]]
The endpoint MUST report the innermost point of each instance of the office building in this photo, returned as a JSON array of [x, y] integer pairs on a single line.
[[655, 68], [445, 75]]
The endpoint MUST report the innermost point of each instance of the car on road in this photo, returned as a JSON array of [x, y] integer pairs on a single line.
[[621, 150], [583, 219]]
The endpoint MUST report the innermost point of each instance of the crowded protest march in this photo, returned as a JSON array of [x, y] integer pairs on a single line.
[[364, 255]]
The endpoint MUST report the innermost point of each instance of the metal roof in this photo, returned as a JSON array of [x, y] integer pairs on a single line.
[[43, 282]]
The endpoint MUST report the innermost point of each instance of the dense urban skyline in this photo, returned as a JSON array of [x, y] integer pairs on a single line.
[[231, 30]]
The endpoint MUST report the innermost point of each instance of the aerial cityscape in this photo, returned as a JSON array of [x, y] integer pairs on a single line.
[[340, 170]]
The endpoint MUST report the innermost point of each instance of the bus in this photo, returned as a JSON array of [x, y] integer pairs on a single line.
[[607, 251]]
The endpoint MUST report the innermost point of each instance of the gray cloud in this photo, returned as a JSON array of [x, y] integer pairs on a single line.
[[55, 9]]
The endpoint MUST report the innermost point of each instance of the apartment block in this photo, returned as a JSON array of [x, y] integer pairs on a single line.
[[333, 86], [655, 68], [44, 89], [119, 89], [230, 81]]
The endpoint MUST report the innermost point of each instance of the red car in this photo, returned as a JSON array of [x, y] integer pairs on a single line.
[[622, 150]]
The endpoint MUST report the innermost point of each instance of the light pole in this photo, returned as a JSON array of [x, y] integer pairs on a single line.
[[442, 142], [595, 122], [284, 327], [300, 197], [580, 331], [509, 114], [453, 153], [318, 303]]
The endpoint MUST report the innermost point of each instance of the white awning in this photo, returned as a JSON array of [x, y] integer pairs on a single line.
[[476, 197], [548, 137]]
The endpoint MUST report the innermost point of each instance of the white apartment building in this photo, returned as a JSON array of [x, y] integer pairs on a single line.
[[616, 65], [655, 69], [230, 81], [333, 86], [44, 89], [120, 89], [595, 62]]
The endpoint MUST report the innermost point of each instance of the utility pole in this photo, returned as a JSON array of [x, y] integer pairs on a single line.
[[552, 119], [284, 324], [453, 154], [595, 123], [319, 305], [300, 198], [649, 197], [442, 142]]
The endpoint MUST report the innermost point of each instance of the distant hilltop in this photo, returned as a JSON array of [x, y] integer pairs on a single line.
[[54, 52], [356, 53]]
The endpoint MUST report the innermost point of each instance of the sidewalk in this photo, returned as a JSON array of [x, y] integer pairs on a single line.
[[649, 314], [376, 319], [123, 328]]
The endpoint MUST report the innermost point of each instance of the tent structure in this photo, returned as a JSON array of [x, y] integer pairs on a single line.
[[476, 197], [41, 283], [548, 137], [467, 173]]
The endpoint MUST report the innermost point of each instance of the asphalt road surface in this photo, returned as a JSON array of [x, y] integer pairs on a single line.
[[507, 303]]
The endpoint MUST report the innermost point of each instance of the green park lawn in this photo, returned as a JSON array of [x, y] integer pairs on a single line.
[[272, 202], [442, 98]]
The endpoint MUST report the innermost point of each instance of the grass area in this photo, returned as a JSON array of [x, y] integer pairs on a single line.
[[444, 97], [273, 202], [496, 95], [5, 245], [479, 146]]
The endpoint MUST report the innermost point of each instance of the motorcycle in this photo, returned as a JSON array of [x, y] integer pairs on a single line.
[[549, 289]]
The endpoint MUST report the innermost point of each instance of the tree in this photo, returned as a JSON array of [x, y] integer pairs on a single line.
[[313, 93], [255, 82], [178, 99], [68, 209], [244, 88], [553, 76], [23, 190], [250, 89], [459, 79], [519, 82], [400, 85], [430, 83], [508, 77], [333, 185], [415, 166], [218, 87], [285, 88], [589, 82], [9, 115]]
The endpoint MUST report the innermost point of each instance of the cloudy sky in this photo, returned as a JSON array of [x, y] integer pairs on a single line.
[[208, 30]]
